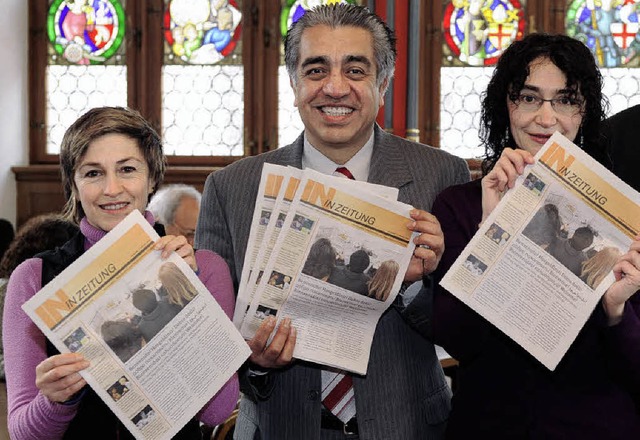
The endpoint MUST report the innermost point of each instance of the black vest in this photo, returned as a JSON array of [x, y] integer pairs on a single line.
[[94, 419]]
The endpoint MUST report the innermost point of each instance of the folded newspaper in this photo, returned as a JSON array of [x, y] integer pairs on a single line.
[[168, 369], [541, 261], [330, 254]]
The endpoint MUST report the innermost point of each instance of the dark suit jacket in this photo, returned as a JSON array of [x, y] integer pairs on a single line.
[[353, 281], [622, 139], [404, 394]]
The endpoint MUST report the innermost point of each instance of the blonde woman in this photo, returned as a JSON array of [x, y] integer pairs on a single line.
[[382, 281], [597, 267], [176, 288]]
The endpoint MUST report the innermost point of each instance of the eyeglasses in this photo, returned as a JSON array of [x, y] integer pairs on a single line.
[[563, 105]]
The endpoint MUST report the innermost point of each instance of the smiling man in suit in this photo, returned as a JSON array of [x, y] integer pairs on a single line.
[[340, 59]]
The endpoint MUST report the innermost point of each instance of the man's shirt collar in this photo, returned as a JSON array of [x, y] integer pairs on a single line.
[[358, 164]]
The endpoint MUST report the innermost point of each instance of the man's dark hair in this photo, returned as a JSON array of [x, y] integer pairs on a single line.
[[144, 300], [582, 238], [359, 261]]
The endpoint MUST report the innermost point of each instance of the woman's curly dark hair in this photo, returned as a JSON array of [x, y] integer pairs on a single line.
[[573, 58]]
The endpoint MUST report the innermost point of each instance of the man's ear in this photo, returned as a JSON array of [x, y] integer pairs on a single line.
[[295, 92], [383, 91]]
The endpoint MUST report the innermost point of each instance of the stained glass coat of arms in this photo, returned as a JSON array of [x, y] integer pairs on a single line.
[[609, 28], [85, 31], [478, 31]]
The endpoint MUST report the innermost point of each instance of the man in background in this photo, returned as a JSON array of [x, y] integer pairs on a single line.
[[176, 207]]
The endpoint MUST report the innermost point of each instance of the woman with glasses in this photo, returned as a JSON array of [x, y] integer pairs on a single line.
[[542, 84]]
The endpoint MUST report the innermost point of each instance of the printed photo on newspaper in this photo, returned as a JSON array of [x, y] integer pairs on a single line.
[[336, 266], [539, 264], [154, 375]]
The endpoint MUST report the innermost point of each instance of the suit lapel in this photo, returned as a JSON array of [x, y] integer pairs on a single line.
[[388, 164], [291, 155]]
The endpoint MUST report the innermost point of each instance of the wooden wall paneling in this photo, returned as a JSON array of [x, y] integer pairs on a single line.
[[429, 81], [152, 52], [38, 191], [271, 43], [546, 16], [250, 54], [37, 70], [401, 26]]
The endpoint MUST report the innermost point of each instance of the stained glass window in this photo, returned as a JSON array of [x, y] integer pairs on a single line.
[[289, 123], [201, 31], [476, 32], [85, 31], [609, 28], [86, 60], [203, 105]]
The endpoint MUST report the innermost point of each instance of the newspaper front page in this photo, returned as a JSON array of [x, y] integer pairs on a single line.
[[336, 309], [280, 183], [154, 378], [541, 261]]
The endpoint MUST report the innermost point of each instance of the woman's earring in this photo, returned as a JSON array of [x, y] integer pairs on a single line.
[[505, 139], [581, 139]]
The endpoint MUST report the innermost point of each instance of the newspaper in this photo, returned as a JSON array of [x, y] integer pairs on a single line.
[[264, 224], [278, 188], [160, 377], [335, 311], [541, 261]]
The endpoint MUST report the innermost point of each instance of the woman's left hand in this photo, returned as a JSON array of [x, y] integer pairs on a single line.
[[429, 245], [627, 273], [179, 244]]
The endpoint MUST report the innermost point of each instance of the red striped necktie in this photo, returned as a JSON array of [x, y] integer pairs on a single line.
[[337, 395], [345, 172], [337, 387]]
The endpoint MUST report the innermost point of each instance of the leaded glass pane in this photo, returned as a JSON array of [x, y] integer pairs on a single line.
[[72, 90], [86, 32], [476, 32], [203, 110], [460, 104], [621, 86], [289, 123], [202, 32], [609, 28]]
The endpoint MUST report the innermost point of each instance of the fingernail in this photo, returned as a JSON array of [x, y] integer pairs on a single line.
[[286, 322]]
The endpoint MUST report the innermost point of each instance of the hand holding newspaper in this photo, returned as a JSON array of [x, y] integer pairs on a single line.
[[316, 264], [542, 260], [159, 382]]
